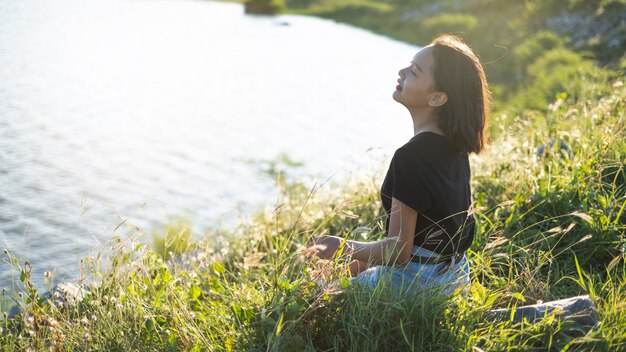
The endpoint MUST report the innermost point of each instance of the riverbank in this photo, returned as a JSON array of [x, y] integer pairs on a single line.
[[550, 226], [532, 51], [551, 199]]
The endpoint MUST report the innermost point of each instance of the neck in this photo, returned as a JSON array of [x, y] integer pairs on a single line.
[[425, 121]]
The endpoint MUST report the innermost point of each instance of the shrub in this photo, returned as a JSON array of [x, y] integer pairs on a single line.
[[172, 239], [534, 47], [559, 71], [455, 23], [264, 7], [350, 9]]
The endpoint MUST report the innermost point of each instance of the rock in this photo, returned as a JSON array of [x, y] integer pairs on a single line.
[[583, 26], [554, 146], [580, 310]]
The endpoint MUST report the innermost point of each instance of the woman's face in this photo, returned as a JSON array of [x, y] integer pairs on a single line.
[[416, 82]]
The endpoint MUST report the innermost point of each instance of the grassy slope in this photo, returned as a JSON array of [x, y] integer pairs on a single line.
[[509, 36], [549, 228]]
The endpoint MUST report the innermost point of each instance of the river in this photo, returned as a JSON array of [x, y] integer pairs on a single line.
[[144, 111]]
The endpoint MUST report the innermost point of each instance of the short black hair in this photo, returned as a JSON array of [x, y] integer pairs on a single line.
[[459, 74]]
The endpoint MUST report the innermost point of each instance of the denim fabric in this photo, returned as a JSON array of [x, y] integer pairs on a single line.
[[412, 277]]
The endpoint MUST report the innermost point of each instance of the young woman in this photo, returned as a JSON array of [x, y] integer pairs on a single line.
[[426, 192]]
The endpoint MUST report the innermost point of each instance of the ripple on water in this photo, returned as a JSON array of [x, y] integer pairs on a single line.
[[104, 116]]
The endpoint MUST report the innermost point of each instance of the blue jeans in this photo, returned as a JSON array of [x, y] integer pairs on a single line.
[[412, 277]]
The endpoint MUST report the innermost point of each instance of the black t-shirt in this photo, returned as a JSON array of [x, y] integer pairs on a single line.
[[428, 176]]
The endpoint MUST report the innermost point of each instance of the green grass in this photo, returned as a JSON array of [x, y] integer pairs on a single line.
[[550, 226]]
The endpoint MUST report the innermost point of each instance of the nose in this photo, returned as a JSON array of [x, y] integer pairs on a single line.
[[401, 73]]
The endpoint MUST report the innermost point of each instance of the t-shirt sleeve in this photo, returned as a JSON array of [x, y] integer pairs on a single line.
[[410, 179]]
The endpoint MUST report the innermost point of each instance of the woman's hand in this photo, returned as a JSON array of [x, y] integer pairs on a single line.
[[356, 267], [325, 247]]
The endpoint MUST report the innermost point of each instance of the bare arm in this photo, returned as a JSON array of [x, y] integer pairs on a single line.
[[393, 249], [396, 247]]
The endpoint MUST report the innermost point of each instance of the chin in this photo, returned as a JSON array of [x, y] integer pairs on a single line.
[[396, 98]]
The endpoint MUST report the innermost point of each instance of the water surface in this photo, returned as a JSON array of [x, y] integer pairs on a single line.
[[146, 110]]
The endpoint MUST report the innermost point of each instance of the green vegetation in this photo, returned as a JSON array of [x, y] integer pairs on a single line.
[[264, 7], [550, 226], [172, 239], [551, 211], [516, 40]]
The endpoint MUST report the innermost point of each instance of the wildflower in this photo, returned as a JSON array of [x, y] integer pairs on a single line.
[[53, 323]]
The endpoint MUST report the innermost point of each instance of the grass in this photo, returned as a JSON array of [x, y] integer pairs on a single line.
[[550, 227], [551, 216]]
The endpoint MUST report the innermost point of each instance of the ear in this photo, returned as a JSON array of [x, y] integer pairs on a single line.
[[437, 99]]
